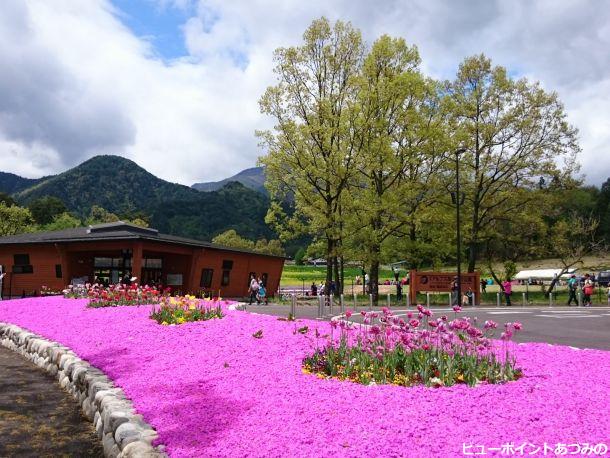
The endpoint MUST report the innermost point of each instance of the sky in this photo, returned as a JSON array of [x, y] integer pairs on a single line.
[[174, 84]]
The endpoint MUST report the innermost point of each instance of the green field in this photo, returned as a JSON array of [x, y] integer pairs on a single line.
[[297, 275], [533, 297]]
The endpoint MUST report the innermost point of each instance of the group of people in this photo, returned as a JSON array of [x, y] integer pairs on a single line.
[[467, 296], [315, 289], [587, 284], [588, 288], [257, 290]]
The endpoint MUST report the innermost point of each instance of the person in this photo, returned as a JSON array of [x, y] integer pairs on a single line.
[[261, 295], [455, 300], [314, 289], [333, 287], [127, 279], [608, 293], [367, 282], [253, 289], [572, 287], [507, 286], [483, 285], [587, 290], [467, 299]]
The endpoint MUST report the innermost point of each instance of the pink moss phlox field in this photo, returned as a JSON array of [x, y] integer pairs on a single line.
[[211, 389]]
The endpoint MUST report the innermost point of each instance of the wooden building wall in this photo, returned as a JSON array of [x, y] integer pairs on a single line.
[[76, 260]]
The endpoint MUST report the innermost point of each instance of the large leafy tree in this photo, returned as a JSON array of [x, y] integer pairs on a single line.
[[46, 208], [311, 148], [396, 131], [515, 133], [15, 220], [602, 210], [231, 238]]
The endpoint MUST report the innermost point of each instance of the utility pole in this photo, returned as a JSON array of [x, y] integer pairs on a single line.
[[458, 201]]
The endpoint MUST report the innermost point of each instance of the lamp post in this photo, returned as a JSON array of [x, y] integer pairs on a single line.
[[458, 199]]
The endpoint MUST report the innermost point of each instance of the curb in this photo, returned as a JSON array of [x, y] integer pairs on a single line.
[[124, 434]]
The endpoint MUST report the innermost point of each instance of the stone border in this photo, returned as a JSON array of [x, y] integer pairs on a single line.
[[124, 434]]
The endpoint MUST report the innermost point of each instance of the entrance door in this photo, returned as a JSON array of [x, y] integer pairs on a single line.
[[110, 271], [152, 271]]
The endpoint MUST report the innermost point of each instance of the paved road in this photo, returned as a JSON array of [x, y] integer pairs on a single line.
[[582, 327], [37, 417]]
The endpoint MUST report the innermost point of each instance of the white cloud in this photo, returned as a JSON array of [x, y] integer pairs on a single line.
[[80, 83]]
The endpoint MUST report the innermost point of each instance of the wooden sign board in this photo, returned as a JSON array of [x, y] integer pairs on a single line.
[[439, 282]]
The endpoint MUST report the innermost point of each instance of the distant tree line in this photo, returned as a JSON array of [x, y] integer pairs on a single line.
[[49, 213]]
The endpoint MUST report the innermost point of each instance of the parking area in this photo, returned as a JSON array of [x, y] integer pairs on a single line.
[[581, 327]]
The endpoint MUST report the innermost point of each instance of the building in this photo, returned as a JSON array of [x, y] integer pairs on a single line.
[[109, 252]]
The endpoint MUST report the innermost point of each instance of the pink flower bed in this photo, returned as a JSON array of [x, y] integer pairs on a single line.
[[211, 389]]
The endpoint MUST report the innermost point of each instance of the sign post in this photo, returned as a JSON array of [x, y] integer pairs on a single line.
[[436, 282]]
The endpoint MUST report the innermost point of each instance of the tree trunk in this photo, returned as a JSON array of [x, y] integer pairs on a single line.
[[342, 267], [495, 277], [554, 281], [374, 278], [472, 256], [336, 275], [329, 265]]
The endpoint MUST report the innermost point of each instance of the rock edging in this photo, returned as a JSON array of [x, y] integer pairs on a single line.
[[124, 434]]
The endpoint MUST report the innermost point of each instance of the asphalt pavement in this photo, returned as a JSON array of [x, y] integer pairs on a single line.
[[581, 327]]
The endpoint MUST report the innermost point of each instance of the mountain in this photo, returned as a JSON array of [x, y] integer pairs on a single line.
[[115, 183], [253, 178], [231, 207], [123, 187], [11, 183]]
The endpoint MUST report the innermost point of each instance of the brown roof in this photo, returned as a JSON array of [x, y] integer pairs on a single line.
[[114, 231]]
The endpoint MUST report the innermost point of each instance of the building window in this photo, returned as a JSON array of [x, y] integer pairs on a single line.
[[227, 265], [152, 263], [206, 278], [57, 270], [109, 271], [21, 264]]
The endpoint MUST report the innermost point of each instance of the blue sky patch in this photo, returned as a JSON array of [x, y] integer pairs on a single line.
[[162, 27]]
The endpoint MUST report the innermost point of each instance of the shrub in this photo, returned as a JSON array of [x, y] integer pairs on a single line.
[[115, 295], [185, 309], [418, 350]]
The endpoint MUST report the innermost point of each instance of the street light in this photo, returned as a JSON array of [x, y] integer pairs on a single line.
[[458, 201]]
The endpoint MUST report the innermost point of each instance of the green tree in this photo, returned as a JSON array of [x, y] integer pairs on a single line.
[[602, 211], [273, 247], [299, 256], [232, 239], [514, 133], [570, 240], [63, 221], [45, 209], [15, 220], [311, 148], [7, 200], [396, 139], [99, 215]]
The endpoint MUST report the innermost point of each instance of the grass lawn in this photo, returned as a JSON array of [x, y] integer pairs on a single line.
[[296, 275]]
